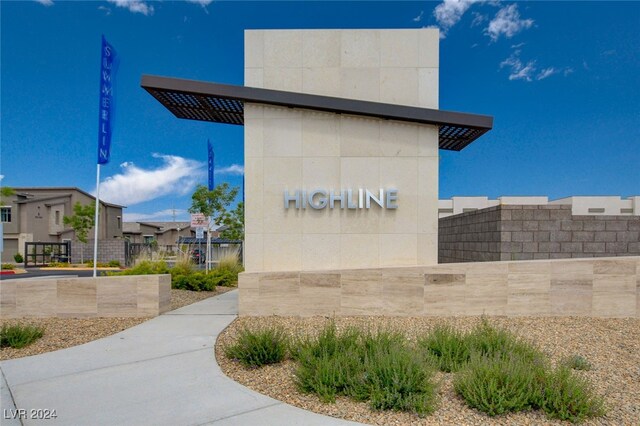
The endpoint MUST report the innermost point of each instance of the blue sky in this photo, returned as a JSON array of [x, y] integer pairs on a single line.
[[562, 80]]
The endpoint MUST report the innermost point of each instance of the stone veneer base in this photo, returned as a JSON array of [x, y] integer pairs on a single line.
[[603, 287]]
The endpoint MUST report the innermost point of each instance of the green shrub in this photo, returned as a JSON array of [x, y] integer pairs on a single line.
[[378, 367], [489, 341], [447, 347], [146, 267], [568, 397], [18, 258], [577, 362], [499, 384], [7, 266], [400, 380], [114, 263], [256, 348], [18, 336]]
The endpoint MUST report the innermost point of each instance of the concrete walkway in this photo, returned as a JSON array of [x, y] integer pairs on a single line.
[[161, 372]]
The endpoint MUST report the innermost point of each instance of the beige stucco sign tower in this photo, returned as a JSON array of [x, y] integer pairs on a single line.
[[289, 149]]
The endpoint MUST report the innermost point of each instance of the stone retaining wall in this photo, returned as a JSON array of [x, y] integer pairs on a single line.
[[607, 287], [510, 232], [124, 296]]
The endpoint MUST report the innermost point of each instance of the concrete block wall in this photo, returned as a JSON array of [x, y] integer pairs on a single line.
[[107, 250], [605, 287], [535, 232]]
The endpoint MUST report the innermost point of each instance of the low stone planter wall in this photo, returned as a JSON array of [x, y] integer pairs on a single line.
[[604, 287], [123, 296]]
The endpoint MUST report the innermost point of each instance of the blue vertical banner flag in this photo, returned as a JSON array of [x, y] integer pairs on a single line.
[[211, 157], [108, 66]]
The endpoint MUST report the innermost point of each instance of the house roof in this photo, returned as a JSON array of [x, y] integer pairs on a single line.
[[224, 103], [66, 190]]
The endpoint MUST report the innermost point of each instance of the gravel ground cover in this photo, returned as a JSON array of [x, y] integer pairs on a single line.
[[61, 333], [612, 346]]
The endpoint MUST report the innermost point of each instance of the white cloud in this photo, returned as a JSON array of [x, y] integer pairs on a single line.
[[478, 19], [201, 2], [519, 70], [419, 17], [507, 22], [105, 9], [159, 216], [567, 71], [547, 72], [136, 185], [449, 12], [1, 177], [134, 6], [234, 169], [45, 2]]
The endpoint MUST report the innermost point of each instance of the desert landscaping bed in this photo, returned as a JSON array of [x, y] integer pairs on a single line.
[[61, 333], [611, 346]]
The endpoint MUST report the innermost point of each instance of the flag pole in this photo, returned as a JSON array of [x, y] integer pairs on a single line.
[[96, 223]]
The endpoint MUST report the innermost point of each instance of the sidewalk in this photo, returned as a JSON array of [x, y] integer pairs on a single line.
[[161, 372]]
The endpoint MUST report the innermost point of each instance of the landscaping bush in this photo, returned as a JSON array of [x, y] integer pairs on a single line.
[[378, 367], [256, 348], [499, 384], [7, 266], [18, 258], [400, 380], [19, 336], [447, 347], [146, 267], [568, 397], [114, 263], [577, 362]]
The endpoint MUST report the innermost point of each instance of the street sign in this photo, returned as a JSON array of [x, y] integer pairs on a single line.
[[198, 220], [199, 232]]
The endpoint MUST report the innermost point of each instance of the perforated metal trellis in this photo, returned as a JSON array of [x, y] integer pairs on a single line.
[[222, 103]]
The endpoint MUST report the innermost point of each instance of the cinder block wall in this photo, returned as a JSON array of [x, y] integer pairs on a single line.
[[107, 250], [535, 232]]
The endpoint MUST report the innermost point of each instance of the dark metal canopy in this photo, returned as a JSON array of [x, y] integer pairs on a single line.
[[224, 103]]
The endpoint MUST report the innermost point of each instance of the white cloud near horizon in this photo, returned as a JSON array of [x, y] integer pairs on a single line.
[[202, 3], [165, 215], [449, 12], [507, 23], [45, 2], [234, 170], [134, 6], [136, 185]]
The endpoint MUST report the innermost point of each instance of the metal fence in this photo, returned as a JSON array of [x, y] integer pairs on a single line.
[[42, 254]]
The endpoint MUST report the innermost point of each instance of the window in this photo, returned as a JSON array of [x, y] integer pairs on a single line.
[[445, 211], [57, 217], [119, 222], [596, 210], [626, 211], [5, 214], [147, 239], [468, 210]]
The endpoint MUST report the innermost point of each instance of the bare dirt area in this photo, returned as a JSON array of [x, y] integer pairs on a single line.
[[612, 346]]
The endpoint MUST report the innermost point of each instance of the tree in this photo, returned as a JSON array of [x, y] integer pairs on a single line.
[[234, 223], [6, 192], [82, 221], [213, 203]]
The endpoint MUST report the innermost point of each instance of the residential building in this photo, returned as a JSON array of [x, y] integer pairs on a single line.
[[165, 233], [580, 205], [36, 214]]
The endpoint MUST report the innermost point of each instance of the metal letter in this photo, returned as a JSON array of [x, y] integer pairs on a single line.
[[288, 198], [378, 201], [322, 201], [333, 197], [392, 197]]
